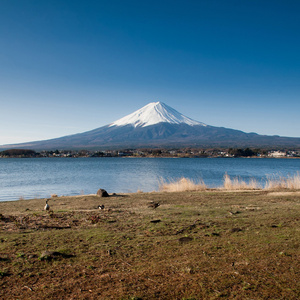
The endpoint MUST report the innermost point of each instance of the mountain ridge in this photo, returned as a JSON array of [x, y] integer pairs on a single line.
[[158, 125]]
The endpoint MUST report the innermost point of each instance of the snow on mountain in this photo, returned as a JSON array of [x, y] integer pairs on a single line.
[[169, 128], [154, 113]]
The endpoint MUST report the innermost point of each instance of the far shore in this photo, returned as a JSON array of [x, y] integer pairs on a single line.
[[156, 153]]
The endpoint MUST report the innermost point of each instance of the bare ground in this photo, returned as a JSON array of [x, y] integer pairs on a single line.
[[194, 245]]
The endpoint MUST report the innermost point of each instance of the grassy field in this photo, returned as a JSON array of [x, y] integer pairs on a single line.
[[195, 245]]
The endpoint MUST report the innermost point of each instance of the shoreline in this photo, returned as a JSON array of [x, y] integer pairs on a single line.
[[132, 157], [237, 184], [281, 192]]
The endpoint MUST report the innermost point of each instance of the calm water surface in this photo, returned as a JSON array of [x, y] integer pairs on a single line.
[[41, 177]]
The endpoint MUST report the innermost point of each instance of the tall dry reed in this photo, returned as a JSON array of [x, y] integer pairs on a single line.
[[239, 184], [290, 182], [182, 185], [236, 183]]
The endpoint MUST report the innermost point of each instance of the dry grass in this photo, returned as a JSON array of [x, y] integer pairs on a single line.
[[239, 184], [182, 185], [272, 183], [195, 245], [290, 182], [233, 184]]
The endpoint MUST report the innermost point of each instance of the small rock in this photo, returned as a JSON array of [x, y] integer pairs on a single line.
[[153, 204], [155, 221], [102, 193], [49, 255], [234, 212], [215, 234], [236, 229], [4, 259], [185, 239]]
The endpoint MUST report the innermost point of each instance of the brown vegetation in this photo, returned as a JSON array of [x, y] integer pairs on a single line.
[[194, 245], [239, 184], [233, 184], [183, 184]]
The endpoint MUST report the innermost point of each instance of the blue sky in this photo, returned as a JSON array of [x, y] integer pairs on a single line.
[[72, 66]]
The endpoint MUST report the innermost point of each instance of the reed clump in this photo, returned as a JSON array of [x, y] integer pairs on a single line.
[[280, 183], [235, 183], [290, 183], [182, 185], [239, 184]]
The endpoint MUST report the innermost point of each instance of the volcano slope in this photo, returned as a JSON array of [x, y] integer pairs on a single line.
[[158, 125]]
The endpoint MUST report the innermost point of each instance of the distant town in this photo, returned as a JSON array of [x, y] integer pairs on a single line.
[[172, 153]]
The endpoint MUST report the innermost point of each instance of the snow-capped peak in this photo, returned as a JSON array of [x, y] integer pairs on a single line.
[[154, 113]]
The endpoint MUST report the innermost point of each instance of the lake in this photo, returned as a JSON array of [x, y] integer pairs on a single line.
[[41, 177]]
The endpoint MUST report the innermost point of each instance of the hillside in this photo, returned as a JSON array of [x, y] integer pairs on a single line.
[[159, 125]]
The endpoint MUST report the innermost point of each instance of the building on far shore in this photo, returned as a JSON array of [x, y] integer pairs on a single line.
[[277, 153]]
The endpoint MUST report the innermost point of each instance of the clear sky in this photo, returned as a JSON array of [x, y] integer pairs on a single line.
[[69, 66]]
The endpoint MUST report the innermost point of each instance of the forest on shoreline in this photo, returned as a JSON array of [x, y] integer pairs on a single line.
[[147, 152]]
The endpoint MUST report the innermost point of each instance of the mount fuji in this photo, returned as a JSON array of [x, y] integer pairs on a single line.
[[158, 125], [154, 113]]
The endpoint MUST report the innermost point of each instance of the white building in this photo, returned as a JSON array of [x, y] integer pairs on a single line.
[[277, 154]]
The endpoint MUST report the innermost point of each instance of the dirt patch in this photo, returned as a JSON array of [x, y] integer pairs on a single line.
[[193, 246], [287, 193]]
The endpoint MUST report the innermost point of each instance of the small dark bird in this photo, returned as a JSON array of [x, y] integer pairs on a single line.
[[101, 206], [234, 212], [47, 207], [154, 205]]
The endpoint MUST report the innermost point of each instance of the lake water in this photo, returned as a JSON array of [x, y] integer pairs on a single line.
[[41, 177]]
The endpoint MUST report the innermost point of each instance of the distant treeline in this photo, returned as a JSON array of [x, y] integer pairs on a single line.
[[237, 152], [18, 153], [148, 152]]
